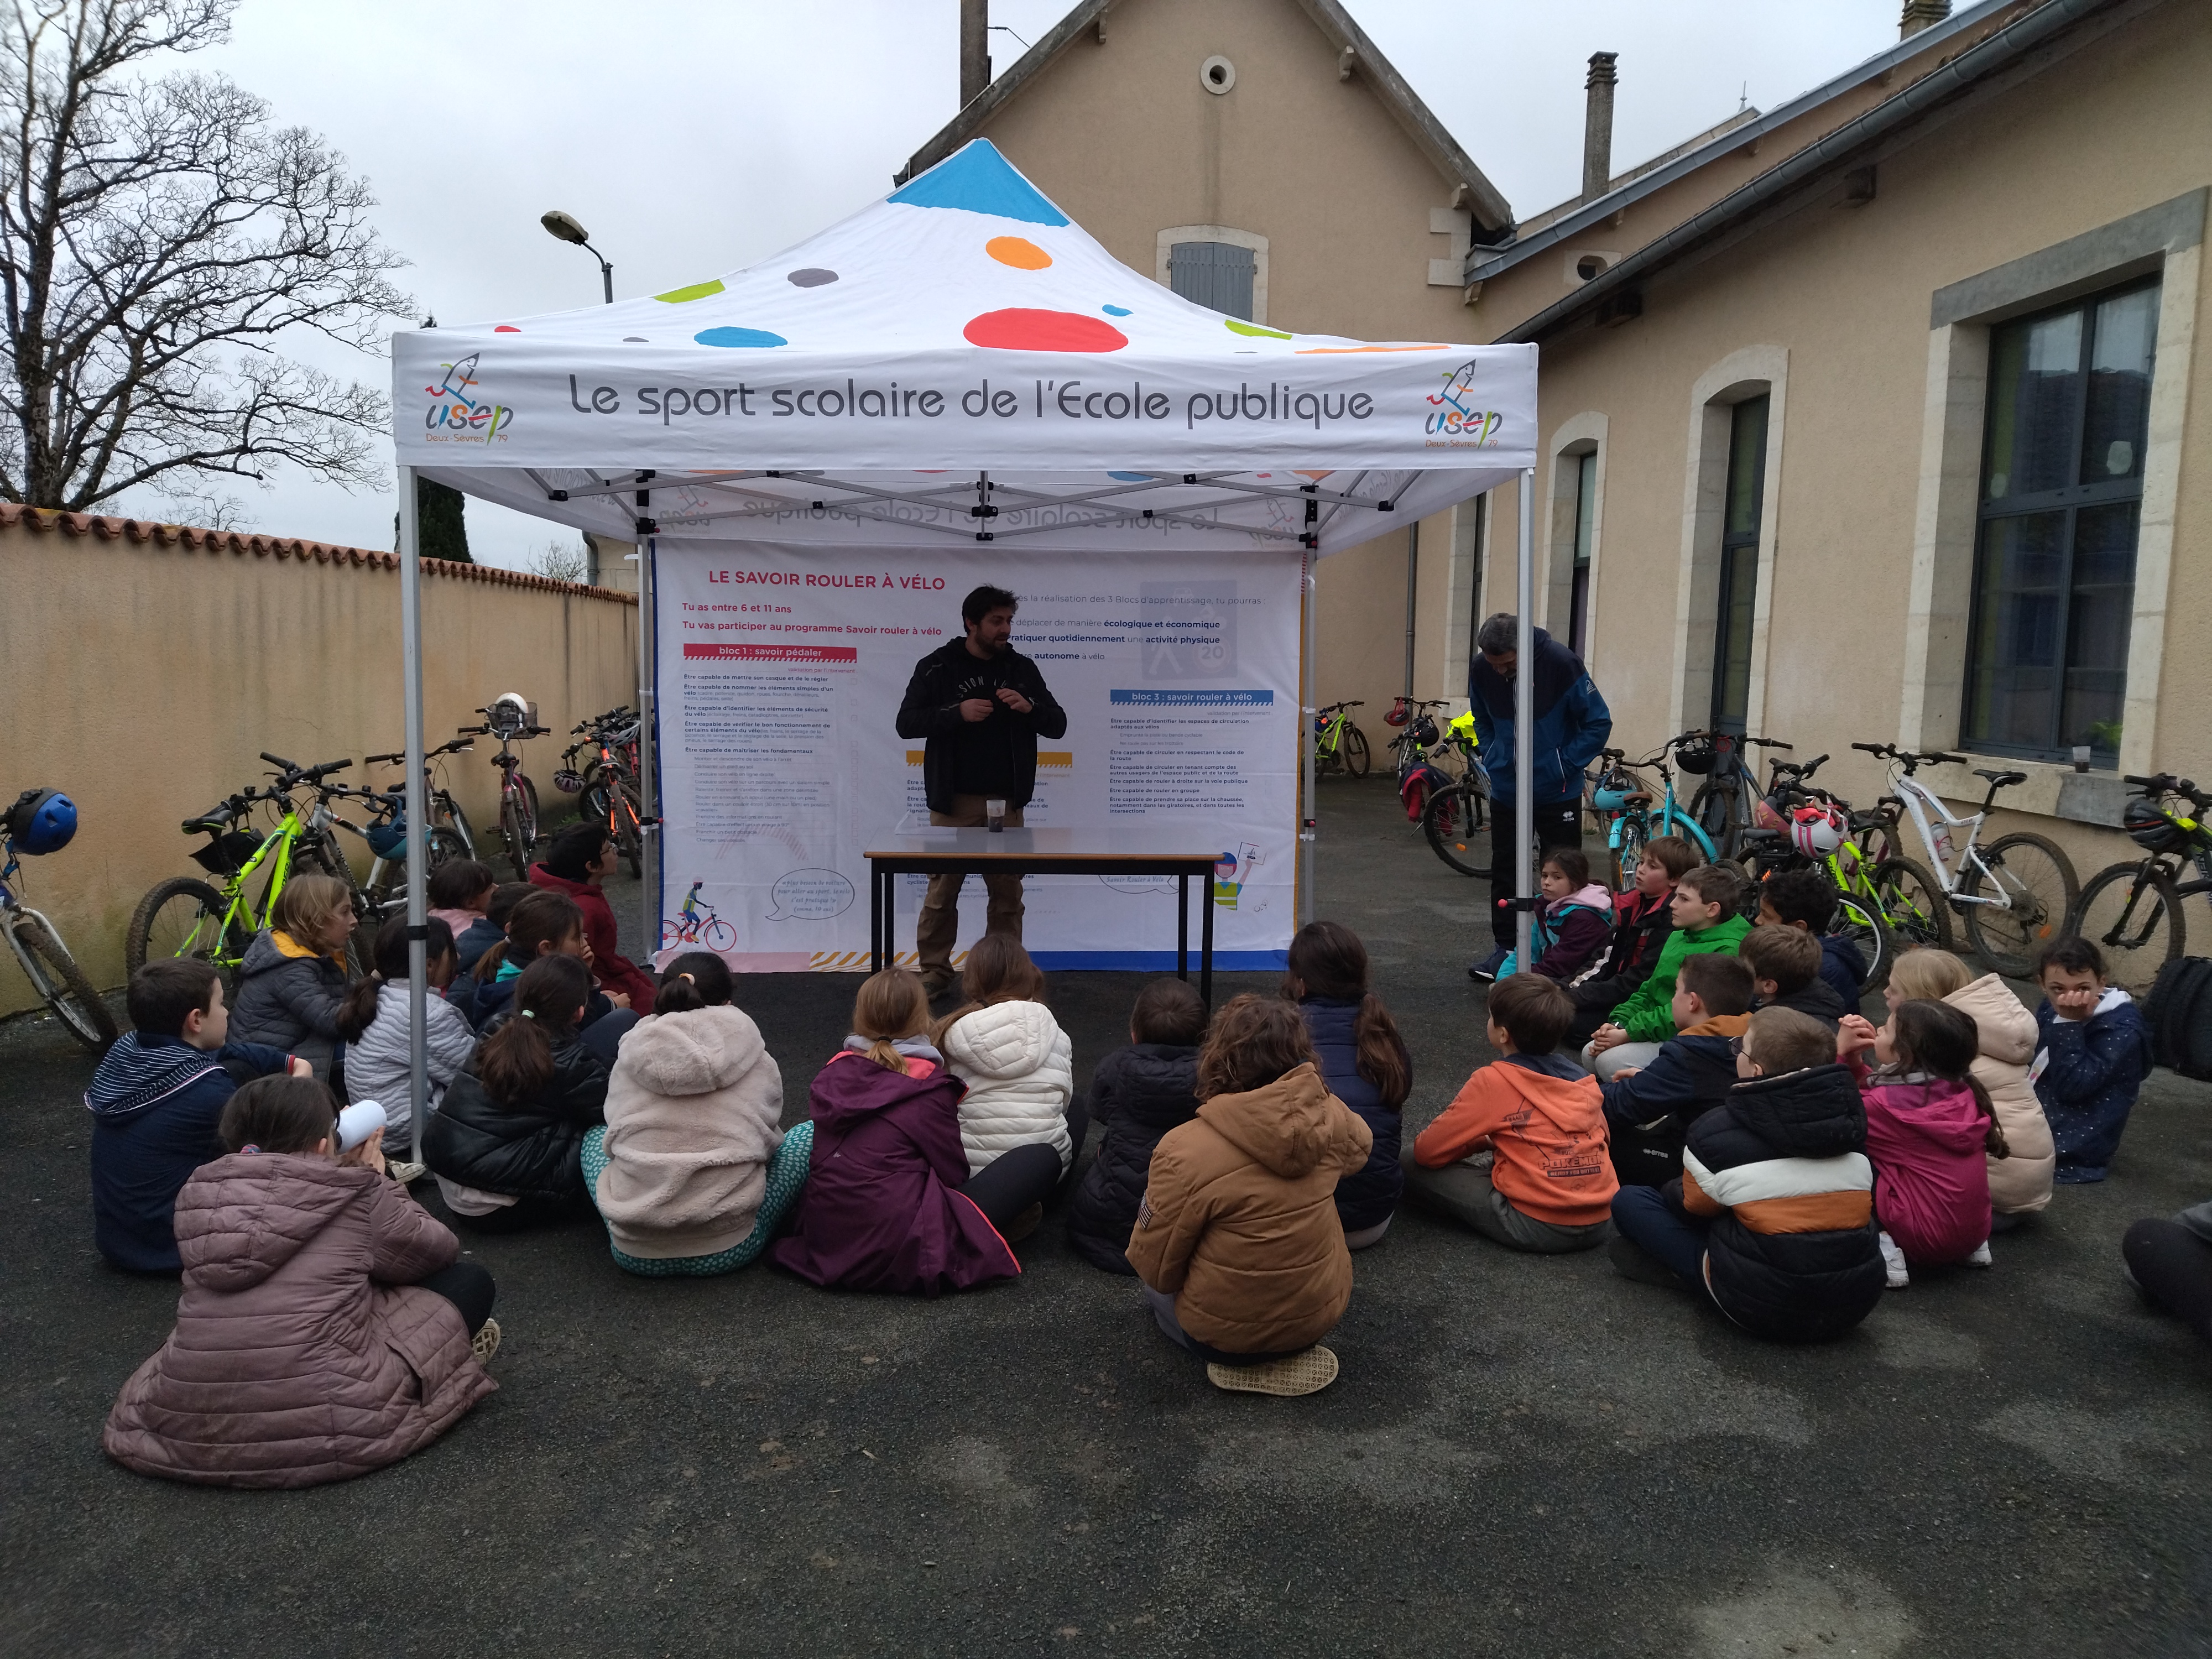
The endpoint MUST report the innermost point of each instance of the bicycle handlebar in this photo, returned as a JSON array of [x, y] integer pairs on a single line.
[[291, 772], [1911, 760], [1353, 703], [2165, 783]]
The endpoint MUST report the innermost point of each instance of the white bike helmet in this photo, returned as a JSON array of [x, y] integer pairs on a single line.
[[1816, 831], [509, 714]]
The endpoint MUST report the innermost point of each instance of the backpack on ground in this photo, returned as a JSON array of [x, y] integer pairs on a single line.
[[2179, 1015]]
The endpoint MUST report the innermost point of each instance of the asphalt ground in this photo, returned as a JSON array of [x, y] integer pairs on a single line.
[[1523, 1456]]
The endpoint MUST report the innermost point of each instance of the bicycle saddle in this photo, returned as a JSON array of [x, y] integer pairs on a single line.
[[2003, 780], [1636, 798], [213, 822]]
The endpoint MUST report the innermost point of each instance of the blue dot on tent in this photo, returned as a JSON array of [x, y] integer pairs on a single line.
[[980, 179], [738, 337], [1131, 477], [1116, 311]]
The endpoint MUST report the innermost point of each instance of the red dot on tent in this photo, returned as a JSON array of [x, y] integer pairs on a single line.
[[1043, 330], [507, 328]]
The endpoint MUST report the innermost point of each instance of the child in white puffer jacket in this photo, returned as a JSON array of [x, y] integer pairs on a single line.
[[1003, 1043]]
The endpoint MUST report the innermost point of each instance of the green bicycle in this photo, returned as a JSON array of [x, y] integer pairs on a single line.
[[1339, 744], [186, 916]]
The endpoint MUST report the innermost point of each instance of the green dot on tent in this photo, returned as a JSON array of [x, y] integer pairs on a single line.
[[677, 297], [1255, 330]]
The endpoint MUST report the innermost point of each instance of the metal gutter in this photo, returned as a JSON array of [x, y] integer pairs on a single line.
[[1496, 261], [2007, 47]]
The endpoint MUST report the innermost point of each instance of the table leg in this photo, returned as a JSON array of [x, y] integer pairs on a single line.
[[875, 920], [1206, 947], [1182, 928]]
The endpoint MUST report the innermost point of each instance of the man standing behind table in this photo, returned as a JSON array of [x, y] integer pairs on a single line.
[[983, 705], [1572, 724]]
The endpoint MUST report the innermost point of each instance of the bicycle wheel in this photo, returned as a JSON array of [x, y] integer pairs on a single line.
[[57, 978], [1628, 852], [629, 839], [1448, 819], [515, 827], [719, 935], [2132, 913], [183, 917], [450, 817], [1861, 923], [1356, 757], [1714, 807], [1913, 904], [2038, 883], [442, 847]]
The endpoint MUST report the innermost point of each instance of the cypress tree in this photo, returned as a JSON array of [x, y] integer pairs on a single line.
[[439, 526]]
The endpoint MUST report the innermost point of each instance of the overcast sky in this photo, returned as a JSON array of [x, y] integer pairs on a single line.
[[694, 136]]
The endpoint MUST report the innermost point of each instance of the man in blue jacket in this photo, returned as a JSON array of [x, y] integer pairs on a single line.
[[157, 1099], [1572, 724]]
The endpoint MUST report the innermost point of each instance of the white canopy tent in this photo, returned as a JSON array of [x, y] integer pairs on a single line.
[[957, 361]]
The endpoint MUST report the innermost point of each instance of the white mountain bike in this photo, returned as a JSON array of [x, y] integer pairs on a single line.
[[2015, 895]]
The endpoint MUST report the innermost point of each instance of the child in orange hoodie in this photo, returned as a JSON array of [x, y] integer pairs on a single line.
[[1520, 1154]]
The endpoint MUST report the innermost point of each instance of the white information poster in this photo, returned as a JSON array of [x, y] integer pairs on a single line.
[[782, 670]]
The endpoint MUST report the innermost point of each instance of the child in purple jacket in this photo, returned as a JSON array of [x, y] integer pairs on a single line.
[[1930, 1133], [888, 1204]]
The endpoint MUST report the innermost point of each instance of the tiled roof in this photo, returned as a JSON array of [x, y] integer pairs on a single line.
[[280, 547]]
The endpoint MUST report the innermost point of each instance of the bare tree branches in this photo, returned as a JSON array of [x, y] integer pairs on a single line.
[[156, 237]]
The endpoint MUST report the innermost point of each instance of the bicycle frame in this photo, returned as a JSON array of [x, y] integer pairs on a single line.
[[237, 910], [13, 908], [1919, 801]]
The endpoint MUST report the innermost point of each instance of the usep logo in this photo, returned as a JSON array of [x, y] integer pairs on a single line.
[[456, 404], [1456, 415]]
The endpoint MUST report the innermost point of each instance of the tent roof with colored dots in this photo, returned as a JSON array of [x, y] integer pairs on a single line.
[[958, 360]]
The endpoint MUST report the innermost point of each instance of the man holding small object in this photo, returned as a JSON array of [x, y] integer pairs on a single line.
[[982, 705]]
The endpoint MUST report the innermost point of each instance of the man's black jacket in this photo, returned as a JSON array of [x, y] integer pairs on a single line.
[[942, 680]]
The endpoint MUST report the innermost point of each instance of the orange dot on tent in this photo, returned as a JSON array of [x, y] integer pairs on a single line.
[[1018, 251], [1043, 330]]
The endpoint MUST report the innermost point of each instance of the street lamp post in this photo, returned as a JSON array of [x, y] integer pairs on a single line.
[[564, 226]]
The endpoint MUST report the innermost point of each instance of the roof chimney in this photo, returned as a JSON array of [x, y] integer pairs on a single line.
[[1597, 126], [975, 49], [1920, 14]]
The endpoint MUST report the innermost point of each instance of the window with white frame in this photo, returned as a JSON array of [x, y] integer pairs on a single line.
[[2060, 506]]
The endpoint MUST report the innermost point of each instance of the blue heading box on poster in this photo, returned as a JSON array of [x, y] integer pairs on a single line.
[[1152, 699]]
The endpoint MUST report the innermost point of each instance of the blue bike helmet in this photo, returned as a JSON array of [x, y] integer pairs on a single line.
[[385, 840], [41, 821]]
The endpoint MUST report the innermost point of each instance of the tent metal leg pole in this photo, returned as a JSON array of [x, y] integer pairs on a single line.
[[1310, 817], [1524, 724], [417, 813], [648, 773], [1413, 598]]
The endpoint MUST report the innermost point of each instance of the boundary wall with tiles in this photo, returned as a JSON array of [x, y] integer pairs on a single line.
[[148, 665]]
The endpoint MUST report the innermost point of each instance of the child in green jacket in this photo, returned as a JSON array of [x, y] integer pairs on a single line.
[[1708, 915]]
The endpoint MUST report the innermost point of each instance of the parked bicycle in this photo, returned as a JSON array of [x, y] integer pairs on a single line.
[[185, 916], [1798, 826], [1633, 814], [1726, 803], [696, 923], [607, 786], [450, 834], [1457, 815], [2015, 895], [384, 889], [1339, 744], [2132, 912], [510, 719], [44, 821]]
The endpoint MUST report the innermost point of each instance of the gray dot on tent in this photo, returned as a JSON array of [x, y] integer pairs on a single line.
[[634, 339], [812, 276]]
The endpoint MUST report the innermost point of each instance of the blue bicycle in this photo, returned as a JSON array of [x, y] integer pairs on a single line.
[[1633, 814], [42, 821]]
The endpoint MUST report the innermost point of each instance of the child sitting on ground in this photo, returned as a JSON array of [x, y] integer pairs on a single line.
[[1363, 1060], [1574, 923], [156, 1101], [506, 1143], [692, 1174], [1708, 917], [582, 856], [326, 1327], [888, 1204], [1773, 1215], [482, 936], [1785, 967], [1643, 917], [1003, 1043], [461, 893], [293, 981], [1807, 900], [2170, 1263], [1138, 1094], [1549, 1186], [374, 1024], [544, 924], [1930, 1123], [2005, 1037], [1648, 1110], [2095, 1056], [1237, 1242]]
